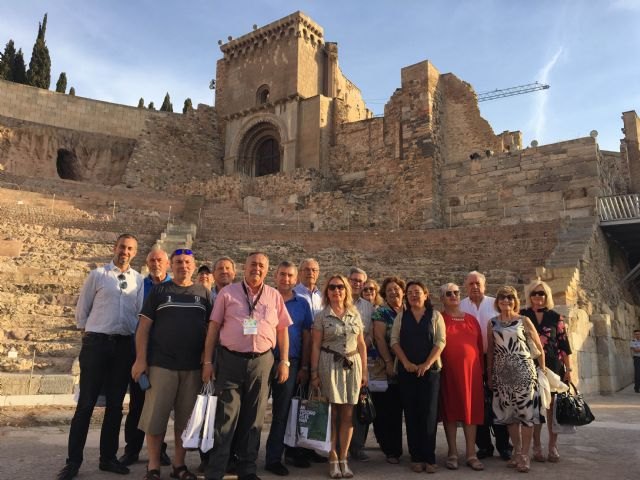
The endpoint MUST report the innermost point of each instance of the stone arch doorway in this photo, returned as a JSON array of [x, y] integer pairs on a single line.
[[260, 151], [68, 165]]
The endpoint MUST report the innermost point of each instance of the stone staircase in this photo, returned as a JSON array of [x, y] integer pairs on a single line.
[[573, 239]]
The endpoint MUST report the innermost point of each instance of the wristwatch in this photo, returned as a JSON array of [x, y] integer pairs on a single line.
[[286, 362]]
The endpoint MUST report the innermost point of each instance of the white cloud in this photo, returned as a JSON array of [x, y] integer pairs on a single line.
[[540, 108]]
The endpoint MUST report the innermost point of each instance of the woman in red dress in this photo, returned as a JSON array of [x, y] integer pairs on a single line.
[[461, 391]]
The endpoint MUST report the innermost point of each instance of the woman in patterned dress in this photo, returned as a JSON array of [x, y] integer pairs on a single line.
[[339, 365], [512, 374], [555, 342]]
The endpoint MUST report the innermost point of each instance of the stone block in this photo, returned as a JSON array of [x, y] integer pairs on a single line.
[[56, 384]]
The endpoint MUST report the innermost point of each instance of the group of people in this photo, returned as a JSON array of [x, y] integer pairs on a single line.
[[164, 335]]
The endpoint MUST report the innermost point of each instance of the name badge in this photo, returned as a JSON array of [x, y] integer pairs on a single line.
[[250, 326]]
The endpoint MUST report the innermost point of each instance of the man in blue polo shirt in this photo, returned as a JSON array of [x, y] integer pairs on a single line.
[[299, 353]]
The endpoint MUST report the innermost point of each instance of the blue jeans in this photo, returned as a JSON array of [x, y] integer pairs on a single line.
[[281, 394], [104, 361]]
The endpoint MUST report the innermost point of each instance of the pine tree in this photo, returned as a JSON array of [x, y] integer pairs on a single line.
[[141, 103], [19, 69], [167, 106], [188, 106], [39, 73], [61, 85], [7, 61], [151, 106], [72, 92]]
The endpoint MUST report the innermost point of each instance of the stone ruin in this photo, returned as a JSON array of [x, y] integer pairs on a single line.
[[291, 161]]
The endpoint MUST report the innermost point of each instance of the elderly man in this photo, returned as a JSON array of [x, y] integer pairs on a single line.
[[205, 276], [224, 273], [169, 346], [158, 264], [249, 318], [299, 355], [106, 313], [357, 279], [482, 307], [308, 275]]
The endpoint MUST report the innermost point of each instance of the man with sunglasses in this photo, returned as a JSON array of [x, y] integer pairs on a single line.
[[482, 307], [249, 319], [106, 313], [169, 346]]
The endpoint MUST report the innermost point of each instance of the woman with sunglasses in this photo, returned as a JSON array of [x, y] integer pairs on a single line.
[[555, 342], [339, 365], [417, 339], [371, 292], [512, 374], [461, 390]]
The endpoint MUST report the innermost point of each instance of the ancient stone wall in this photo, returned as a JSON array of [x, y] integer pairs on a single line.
[[72, 112], [631, 147]]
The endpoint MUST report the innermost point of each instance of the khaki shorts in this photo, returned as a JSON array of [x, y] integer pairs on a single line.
[[170, 389]]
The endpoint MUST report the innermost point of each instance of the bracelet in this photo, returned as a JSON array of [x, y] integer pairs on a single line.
[[208, 363]]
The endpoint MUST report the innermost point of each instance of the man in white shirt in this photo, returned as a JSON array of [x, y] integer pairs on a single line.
[[482, 307], [308, 274]]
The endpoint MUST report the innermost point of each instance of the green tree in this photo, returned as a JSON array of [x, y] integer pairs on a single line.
[[61, 85], [7, 60], [188, 106], [19, 68], [151, 106], [39, 73], [72, 92], [167, 106], [141, 103]]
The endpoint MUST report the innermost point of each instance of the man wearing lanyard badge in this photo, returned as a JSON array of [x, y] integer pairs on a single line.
[[248, 320]]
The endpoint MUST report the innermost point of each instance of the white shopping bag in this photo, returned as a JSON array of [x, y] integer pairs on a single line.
[[209, 424], [544, 389], [314, 425], [290, 433], [191, 435], [558, 428]]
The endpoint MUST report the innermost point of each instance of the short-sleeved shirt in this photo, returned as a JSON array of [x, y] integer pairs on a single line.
[[179, 316], [339, 335], [231, 309], [300, 312], [635, 344]]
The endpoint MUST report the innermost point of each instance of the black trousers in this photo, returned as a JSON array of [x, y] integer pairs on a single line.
[[133, 436], [636, 368], [387, 425], [105, 361], [420, 403]]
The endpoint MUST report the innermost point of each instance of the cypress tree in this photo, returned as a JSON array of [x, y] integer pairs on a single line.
[[188, 106], [7, 61], [61, 85], [19, 69], [72, 92], [141, 103], [167, 106], [39, 73], [151, 106]]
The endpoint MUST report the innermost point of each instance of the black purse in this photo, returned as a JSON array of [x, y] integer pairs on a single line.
[[365, 411], [571, 409]]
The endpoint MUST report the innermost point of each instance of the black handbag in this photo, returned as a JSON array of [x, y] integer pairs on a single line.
[[365, 411], [571, 409]]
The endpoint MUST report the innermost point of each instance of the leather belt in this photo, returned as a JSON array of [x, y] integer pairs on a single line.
[[249, 355]]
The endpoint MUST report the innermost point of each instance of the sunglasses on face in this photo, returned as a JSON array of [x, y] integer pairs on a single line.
[[336, 286], [509, 298], [368, 289], [182, 251], [122, 282], [538, 293], [452, 293]]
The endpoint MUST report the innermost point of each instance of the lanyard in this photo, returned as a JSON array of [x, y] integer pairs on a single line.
[[252, 307]]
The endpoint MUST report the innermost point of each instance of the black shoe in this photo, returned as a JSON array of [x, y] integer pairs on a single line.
[[298, 461], [313, 457], [277, 468], [165, 461], [232, 465], [359, 456], [506, 454], [113, 466], [484, 453], [67, 472], [128, 459], [249, 476]]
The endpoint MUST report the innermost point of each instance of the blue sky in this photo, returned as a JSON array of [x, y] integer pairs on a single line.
[[588, 51]]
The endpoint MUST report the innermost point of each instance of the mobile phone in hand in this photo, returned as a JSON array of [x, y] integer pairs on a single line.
[[143, 382]]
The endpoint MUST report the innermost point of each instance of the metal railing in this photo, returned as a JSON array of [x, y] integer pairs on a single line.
[[619, 207]]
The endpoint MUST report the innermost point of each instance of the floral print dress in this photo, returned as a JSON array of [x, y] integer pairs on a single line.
[[554, 338]]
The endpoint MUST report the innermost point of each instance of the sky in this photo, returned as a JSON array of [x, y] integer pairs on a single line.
[[586, 50]]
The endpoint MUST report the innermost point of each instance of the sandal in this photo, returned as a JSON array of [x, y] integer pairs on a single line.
[[152, 475], [537, 454], [417, 467], [344, 468], [430, 467], [452, 462], [554, 456], [513, 461], [182, 473], [474, 464], [334, 469], [524, 464], [393, 460]]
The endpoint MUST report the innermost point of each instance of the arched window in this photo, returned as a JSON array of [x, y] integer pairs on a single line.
[[262, 95], [260, 151]]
